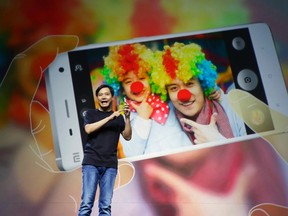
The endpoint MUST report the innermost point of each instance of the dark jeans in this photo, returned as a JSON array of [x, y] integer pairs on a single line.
[[91, 176]]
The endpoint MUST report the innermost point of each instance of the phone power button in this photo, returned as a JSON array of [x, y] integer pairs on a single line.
[[247, 79]]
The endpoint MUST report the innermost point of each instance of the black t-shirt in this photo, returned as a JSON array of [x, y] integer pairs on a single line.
[[101, 145]]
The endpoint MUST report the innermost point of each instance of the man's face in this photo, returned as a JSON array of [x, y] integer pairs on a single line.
[[104, 98], [194, 103], [128, 84]]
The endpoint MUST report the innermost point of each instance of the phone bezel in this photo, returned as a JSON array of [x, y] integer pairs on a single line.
[[260, 42]]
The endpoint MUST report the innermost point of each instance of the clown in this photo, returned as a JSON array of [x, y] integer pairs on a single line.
[[154, 124], [182, 73], [219, 173]]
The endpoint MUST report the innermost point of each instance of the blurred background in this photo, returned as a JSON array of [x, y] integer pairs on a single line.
[[30, 183], [24, 23]]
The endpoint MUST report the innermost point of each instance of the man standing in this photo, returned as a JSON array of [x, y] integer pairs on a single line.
[[100, 162]]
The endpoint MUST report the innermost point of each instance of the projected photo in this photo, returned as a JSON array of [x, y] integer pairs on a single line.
[[176, 89]]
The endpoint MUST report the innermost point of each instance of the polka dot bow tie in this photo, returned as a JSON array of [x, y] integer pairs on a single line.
[[160, 108]]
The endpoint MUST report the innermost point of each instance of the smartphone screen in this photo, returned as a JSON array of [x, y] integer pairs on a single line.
[[231, 51]]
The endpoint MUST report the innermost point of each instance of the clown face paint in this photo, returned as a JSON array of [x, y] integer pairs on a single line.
[[192, 105], [136, 87]]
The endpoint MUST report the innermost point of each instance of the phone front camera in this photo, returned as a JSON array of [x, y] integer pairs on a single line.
[[238, 43], [61, 69]]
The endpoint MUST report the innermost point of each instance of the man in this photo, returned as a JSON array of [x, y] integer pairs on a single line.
[[203, 119], [218, 174], [99, 165], [188, 79], [155, 126]]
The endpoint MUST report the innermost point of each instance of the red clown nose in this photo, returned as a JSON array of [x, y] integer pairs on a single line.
[[184, 95], [137, 87]]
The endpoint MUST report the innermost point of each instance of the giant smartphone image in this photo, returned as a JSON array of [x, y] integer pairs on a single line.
[[245, 58]]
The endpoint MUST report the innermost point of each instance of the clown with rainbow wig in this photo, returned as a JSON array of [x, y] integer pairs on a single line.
[[154, 124], [183, 74]]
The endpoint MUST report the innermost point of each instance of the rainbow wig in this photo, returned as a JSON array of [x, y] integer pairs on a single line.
[[182, 61], [123, 59]]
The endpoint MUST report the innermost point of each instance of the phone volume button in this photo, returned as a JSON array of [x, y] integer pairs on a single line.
[[67, 109]]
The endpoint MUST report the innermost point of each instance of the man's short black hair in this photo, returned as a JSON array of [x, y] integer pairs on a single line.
[[104, 86]]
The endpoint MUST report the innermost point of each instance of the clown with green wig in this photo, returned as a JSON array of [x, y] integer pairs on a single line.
[[182, 74], [154, 124]]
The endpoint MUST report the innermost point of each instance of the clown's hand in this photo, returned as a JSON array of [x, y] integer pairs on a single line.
[[143, 109], [203, 133], [26, 102], [216, 94]]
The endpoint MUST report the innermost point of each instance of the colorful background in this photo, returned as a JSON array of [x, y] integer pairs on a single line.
[[30, 182]]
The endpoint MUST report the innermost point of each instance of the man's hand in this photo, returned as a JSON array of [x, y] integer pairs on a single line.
[[126, 111], [115, 114], [203, 133], [25, 73], [241, 101], [32, 154], [127, 133]]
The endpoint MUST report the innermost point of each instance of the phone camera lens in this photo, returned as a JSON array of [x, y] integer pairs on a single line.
[[247, 79], [61, 69], [238, 43]]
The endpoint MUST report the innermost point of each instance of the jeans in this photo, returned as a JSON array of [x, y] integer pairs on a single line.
[[91, 176]]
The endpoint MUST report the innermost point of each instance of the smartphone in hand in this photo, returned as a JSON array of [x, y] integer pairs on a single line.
[[247, 50]]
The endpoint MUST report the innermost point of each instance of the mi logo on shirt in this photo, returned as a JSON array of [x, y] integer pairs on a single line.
[[76, 157]]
